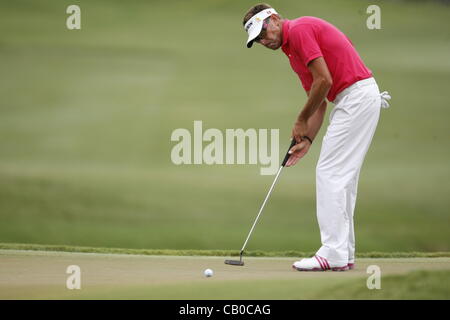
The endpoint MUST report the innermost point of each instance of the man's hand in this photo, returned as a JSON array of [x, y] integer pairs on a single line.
[[297, 152], [301, 148]]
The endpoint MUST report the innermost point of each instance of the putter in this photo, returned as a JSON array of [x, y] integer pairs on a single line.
[[240, 262]]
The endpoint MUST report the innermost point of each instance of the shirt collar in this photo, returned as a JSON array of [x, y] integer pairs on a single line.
[[285, 30]]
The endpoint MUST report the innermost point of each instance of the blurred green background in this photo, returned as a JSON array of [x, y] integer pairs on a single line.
[[87, 115]]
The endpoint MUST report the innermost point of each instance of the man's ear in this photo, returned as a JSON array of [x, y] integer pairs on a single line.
[[277, 19]]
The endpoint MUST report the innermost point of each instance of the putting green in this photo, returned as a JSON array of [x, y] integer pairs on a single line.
[[42, 275]]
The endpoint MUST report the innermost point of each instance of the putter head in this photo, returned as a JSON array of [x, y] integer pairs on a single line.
[[235, 262]]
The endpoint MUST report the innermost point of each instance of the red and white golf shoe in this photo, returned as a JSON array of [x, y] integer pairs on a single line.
[[317, 263]]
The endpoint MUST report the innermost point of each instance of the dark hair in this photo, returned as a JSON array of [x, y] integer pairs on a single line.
[[254, 10]]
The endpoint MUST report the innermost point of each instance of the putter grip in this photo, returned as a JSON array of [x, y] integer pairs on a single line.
[[286, 157]]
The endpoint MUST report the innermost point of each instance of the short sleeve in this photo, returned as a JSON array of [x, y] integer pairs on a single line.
[[304, 42]]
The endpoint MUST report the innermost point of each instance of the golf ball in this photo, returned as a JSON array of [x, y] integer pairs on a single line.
[[208, 273]]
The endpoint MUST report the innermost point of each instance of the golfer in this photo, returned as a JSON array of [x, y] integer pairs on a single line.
[[329, 68]]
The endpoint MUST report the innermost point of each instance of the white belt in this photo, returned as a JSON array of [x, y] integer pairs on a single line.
[[385, 97]]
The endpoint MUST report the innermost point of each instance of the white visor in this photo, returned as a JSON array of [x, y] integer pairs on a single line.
[[255, 24]]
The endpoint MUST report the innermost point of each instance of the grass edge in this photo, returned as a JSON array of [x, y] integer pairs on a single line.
[[194, 252]]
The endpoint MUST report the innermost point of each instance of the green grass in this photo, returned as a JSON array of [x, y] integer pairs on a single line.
[[26, 274], [86, 119], [417, 285]]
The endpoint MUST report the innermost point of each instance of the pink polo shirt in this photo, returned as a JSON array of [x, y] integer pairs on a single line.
[[307, 38]]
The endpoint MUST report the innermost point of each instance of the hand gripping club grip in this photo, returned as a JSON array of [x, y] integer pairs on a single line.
[[286, 157]]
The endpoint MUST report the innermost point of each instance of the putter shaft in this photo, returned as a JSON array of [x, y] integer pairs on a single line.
[[261, 209], [286, 158]]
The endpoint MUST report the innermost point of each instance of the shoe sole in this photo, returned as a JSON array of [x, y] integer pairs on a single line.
[[336, 269], [312, 270]]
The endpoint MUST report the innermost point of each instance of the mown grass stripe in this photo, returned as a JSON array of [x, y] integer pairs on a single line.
[[192, 252]]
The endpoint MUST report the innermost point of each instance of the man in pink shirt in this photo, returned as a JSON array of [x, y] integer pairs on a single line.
[[330, 68]]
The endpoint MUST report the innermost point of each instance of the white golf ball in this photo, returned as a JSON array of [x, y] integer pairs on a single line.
[[208, 273]]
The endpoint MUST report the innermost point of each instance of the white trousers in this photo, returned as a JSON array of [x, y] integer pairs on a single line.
[[352, 125]]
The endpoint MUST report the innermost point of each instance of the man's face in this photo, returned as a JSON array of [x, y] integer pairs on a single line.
[[271, 34]]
